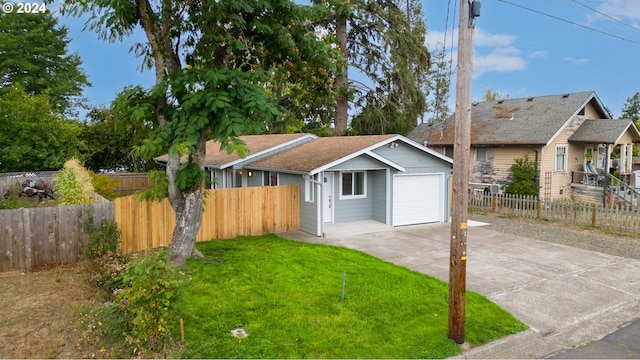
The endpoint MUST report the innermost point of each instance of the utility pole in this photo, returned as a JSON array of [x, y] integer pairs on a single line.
[[469, 10]]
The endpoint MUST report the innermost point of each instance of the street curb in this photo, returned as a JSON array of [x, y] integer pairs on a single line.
[[503, 348]]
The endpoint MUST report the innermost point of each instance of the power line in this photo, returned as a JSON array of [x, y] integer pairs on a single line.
[[572, 22], [605, 15]]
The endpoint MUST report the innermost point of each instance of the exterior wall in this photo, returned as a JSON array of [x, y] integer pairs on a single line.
[[309, 211], [379, 195], [346, 210], [497, 167], [256, 179], [557, 184], [415, 161]]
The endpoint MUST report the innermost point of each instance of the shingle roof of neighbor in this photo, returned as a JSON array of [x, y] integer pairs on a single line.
[[530, 120], [256, 143], [319, 152], [605, 131]]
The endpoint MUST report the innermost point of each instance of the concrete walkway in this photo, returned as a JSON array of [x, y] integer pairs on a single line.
[[567, 296]]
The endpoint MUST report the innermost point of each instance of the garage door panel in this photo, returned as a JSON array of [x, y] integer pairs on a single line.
[[417, 199]]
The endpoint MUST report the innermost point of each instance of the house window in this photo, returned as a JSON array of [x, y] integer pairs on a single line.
[[270, 178], [481, 154], [561, 157], [309, 193], [353, 184]]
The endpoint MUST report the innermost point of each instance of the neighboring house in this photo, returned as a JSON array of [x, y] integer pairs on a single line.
[[386, 178], [571, 136], [226, 170]]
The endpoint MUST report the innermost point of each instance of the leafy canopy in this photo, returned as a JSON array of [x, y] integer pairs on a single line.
[[36, 58], [33, 136]]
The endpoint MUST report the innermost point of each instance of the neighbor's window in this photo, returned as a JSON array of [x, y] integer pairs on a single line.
[[353, 184], [481, 154], [561, 157]]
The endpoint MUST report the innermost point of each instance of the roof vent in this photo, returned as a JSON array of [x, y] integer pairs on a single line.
[[530, 99], [565, 96]]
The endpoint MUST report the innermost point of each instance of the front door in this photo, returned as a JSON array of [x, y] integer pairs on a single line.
[[327, 197]]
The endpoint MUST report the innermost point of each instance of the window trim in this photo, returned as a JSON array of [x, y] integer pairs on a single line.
[[484, 151], [353, 185], [309, 190], [565, 157]]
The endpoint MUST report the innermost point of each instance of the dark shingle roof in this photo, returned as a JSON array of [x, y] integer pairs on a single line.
[[255, 143], [530, 120], [605, 131]]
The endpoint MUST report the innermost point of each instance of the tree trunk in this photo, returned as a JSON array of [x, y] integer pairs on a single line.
[[187, 205], [342, 78], [188, 220]]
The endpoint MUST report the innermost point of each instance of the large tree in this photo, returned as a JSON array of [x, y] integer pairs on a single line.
[[111, 142], [631, 108], [383, 40], [212, 59], [35, 56], [33, 135]]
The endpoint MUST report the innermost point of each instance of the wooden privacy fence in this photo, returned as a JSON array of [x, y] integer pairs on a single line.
[[33, 237], [621, 219], [228, 213], [129, 183]]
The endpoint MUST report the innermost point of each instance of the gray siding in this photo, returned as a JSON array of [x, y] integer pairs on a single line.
[[363, 162], [379, 195], [308, 210], [346, 210], [255, 180], [414, 160]]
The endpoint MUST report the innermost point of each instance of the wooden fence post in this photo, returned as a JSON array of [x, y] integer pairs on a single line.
[[538, 208], [493, 203]]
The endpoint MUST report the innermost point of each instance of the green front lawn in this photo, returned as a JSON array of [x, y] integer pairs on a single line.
[[287, 296]]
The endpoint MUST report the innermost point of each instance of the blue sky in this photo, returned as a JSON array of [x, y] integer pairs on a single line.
[[555, 47]]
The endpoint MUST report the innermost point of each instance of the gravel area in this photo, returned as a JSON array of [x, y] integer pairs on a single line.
[[565, 234]]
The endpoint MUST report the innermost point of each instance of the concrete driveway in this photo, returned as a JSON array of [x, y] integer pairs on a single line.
[[568, 296]]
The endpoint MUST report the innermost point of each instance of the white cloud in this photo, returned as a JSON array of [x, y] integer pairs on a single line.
[[503, 56], [502, 59], [483, 38], [576, 61], [626, 9], [538, 54]]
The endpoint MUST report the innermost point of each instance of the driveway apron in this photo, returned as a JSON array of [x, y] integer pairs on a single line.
[[567, 296]]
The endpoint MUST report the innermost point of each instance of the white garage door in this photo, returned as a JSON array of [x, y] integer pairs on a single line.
[[418, 199]]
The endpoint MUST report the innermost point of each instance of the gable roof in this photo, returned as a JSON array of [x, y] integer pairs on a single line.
[[257, 145], [605, 131], [325, 152], [527, 121]]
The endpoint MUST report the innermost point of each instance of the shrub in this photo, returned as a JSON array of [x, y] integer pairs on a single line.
[[73, 184], [107, 263], [147, 300], [524, 173], [104, 185]]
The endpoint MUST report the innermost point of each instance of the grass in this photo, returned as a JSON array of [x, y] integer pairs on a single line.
[[287, 296]]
